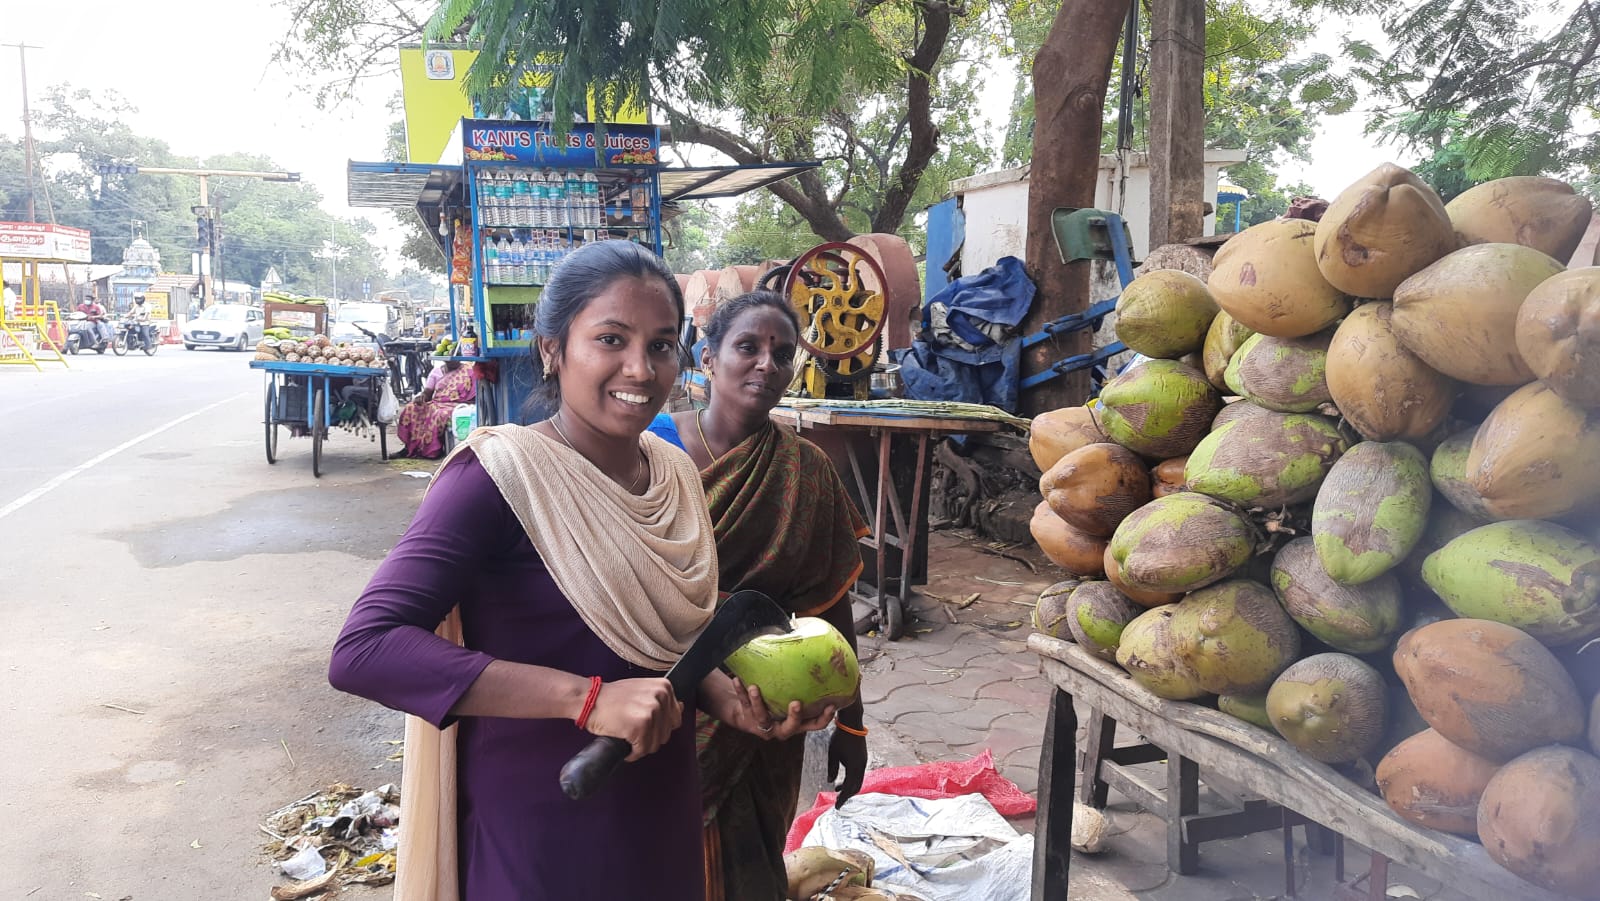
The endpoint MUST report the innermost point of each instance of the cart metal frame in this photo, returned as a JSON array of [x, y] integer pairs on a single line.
[[318, 418]]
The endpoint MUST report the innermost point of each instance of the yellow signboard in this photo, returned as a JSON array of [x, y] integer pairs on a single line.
[[158, 302], [433, 93]]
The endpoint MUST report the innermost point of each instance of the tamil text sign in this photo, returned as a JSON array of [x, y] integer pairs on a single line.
[[38, 241]]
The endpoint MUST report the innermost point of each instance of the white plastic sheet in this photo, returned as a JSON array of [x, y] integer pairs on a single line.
[[952, 849]]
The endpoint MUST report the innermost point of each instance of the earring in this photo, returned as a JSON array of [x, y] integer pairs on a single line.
[[548, 369]]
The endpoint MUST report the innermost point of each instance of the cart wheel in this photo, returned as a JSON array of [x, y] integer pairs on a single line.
[[272, 427], [319, 428], [893, 616]]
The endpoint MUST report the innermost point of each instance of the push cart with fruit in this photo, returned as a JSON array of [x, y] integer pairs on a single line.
[[302, 384]]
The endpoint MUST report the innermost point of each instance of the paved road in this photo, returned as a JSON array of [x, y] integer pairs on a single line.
[[151, 561]]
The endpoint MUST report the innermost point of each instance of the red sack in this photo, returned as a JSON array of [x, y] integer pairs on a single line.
[[928, 780]]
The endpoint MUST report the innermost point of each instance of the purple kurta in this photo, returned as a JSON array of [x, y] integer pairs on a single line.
[[520, 837]]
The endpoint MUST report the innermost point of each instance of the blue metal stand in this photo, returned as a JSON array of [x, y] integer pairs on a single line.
[[1091, 318]]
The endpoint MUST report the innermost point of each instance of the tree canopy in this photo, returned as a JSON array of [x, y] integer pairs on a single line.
[[1504, 88], [263, 224]]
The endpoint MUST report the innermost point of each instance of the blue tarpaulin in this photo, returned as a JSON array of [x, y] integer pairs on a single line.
[[968, 349]]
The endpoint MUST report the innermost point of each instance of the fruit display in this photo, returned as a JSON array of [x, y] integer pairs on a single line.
[[1368, 518], [319, 350], [811, 663]]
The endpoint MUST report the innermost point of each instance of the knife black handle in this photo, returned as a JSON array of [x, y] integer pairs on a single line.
[[590, 768]]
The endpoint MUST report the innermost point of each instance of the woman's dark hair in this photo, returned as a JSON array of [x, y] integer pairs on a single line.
[[728, 313], [585, 274]]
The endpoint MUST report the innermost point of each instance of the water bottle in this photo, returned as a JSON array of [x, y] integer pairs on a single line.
[[508, 265], [503, 189], [555, 193], [517, 258], [485, 199], [574, 185], [591, 200], [491, 261], [530, 261]]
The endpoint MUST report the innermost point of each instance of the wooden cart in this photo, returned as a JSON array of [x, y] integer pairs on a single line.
[[1197, 742], [299, 395]]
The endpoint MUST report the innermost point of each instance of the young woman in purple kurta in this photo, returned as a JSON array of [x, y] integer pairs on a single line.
[[521, 676]]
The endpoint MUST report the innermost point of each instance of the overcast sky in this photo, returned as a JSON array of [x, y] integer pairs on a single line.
[[199, 75]]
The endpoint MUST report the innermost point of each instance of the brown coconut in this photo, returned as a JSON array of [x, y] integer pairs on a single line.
[[1558, 335], [1535, 457], [1356, 619], [1433, 783], [1222, 342], [1385, 391], [1545, 214], [1380, 231], [1139, 596], [1266, 278], [1056, 433], [1076, 552], [1490, 688], [1540, 818], [1166, 477], [1460, 314], [1096, 486]]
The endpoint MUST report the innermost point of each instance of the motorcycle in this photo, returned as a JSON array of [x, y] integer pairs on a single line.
[[131, 334], [83, 335]]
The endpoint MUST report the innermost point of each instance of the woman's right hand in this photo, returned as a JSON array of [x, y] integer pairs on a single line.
[[642, 712]]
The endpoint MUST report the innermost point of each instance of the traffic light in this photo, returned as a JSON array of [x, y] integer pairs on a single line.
[[203, 231], [117, 169]]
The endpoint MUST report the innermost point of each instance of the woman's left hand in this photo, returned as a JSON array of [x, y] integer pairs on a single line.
[[732, 702], [848, 751]]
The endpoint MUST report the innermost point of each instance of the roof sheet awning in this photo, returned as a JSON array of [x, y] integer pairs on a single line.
[[399, 186], [706, 182]]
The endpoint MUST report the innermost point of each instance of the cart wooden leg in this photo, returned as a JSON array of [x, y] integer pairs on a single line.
[[890, 613], [1052, 846], [912, 529], [1183, 800], [1093, 790], [1378, 878]]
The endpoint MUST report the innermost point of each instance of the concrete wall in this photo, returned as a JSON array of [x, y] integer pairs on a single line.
[[996, 205]]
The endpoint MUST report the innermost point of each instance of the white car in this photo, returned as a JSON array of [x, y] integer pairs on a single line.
[[230, 325], [352, 317]]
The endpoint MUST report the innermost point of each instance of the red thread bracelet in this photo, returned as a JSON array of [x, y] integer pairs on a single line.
[[588, 702]]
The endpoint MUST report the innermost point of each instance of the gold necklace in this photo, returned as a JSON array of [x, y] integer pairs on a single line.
[[699, 426], [638, 471]]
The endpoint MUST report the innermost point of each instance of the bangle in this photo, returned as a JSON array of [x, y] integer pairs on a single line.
[[588, 702], [862, 732]]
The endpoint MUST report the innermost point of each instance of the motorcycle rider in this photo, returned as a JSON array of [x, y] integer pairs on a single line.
[[139, 315], [96, 315]]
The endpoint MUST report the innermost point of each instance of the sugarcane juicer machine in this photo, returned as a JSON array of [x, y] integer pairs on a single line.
[[841, 296]]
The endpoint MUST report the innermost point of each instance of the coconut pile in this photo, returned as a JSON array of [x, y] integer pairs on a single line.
[[1354, 499]]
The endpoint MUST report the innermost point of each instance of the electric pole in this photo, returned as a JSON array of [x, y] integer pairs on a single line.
[[27, 128]]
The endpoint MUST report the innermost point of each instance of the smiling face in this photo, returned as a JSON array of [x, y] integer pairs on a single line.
[[754, 364], [620, 359]]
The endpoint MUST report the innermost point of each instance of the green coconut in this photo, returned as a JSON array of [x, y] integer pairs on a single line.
[[1222, 342], [1538, 576], [1356, 619], [1181, 542], [1371, 510], [1097, 613], [1234, 636], [1147, 652], [1445, 524], [811, 663], [1271, 460], [1165, 314], [1289, 375], [1250, 708], [1239, 409], [1160, 409], [1050, 614], [1448, 471], [1333, 707]]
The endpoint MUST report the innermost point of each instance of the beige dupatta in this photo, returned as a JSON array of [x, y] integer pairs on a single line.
[[640, 571]]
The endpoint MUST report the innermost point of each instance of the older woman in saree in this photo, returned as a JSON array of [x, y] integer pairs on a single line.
[[785, 526]]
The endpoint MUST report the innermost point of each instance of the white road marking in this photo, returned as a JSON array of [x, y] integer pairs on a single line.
[[87, 465]]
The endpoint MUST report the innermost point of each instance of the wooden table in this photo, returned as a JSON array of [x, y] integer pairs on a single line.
[[1269, 767], [895, 521]]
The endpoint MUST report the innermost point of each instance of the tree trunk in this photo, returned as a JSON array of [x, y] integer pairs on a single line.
[[1070, 76], [920, 72], [1177, 121]]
